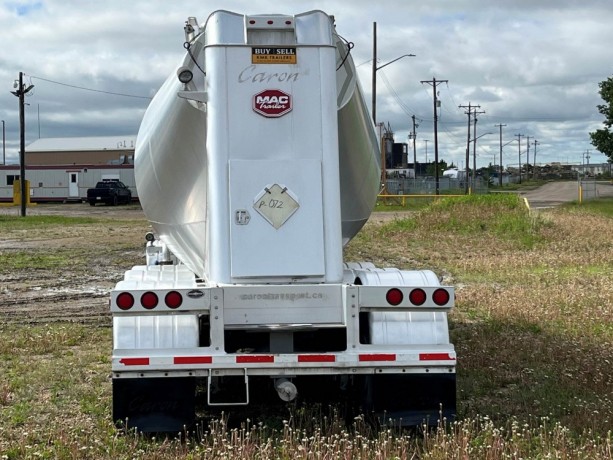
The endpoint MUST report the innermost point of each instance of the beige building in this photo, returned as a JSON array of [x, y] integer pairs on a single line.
[[107, 150]]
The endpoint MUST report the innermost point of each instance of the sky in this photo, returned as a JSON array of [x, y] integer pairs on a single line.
[[530, 65]]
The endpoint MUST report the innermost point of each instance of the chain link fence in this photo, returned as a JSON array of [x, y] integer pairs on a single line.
[[426, 185], [587, 189]]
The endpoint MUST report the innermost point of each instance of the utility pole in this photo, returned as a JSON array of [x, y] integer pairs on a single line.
[[527, 156], [414, 148], [519, 136], [20, 93], [469, 113], [375, 69], [534, 175], [374, 73], [426, 141], [474, 181], [3, 145], [434, 83], [500, 169]]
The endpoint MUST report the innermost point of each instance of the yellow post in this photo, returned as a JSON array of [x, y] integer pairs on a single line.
[[17, 193]]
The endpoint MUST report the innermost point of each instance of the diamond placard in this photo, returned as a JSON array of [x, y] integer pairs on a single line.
[[276, 204]]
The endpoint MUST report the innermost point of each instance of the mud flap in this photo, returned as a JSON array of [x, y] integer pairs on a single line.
[[154, 404], [411, 400]]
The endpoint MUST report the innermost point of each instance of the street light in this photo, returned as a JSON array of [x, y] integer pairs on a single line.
[[502, 146], [474, 181], [375, 69]]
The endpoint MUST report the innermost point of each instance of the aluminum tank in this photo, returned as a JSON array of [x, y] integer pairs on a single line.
[[176, 184]]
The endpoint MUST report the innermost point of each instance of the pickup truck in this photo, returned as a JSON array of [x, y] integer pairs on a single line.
[[110, 192]]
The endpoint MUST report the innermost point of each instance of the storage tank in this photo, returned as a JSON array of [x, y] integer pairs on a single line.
[[205, 155]]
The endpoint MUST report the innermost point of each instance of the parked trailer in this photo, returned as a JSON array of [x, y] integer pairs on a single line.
[[256, 162], [64, 182]]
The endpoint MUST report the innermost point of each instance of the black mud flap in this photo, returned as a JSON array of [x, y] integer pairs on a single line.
[[413, 399], [152, 405]]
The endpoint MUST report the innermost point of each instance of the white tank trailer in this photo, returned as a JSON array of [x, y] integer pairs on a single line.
[[256, 162]]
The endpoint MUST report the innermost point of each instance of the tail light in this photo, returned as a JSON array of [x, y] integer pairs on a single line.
[[125, 301], [394, 296], [173, 299], [417, 296], [149, 300], [440, 297]]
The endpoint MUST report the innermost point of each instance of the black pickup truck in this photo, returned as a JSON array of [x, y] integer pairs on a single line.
[[110, 192]]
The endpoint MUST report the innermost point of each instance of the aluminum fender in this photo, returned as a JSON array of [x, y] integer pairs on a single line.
[[371, 276], [404, 328]]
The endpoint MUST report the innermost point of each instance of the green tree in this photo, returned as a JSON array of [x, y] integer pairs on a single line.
[[602, 139]]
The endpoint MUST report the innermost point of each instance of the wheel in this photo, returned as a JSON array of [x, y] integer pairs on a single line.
[[114, 203], [92, 203]]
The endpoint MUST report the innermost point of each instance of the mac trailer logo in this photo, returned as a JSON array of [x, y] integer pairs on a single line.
[[272, 103]]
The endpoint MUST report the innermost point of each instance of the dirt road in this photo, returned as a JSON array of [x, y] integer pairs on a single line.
[[63, 272]]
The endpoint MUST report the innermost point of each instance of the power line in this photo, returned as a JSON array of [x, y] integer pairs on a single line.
[[405, 108], [89, 89]]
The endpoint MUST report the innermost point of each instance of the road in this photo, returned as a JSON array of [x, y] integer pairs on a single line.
[[556, 193]]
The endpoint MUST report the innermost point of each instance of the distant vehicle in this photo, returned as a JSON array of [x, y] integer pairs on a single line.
[[110, 191], [454, 173]]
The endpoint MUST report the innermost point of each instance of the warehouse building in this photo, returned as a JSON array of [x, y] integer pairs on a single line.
[[62, 169]]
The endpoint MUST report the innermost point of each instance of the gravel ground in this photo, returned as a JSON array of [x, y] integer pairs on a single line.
[[75, 289]]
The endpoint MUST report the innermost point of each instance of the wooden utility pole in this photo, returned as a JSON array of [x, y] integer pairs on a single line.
[[519, 136], [474, 181], [534, 175], [472, 111], [434, 82], [500, 169], [414, 148], [469, 112], [20, 92], [527, 156], [374, 74]]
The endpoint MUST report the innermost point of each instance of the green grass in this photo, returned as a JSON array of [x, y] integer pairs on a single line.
[[603, 207], [532, 327], [40, 222], [33, 260]]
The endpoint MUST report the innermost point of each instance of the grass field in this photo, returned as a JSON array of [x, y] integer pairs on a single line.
[[533, 330]]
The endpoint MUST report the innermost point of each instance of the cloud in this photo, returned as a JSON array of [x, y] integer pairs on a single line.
[[534, 66]]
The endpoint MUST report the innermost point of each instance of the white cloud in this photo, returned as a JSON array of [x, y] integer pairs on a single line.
[[534, 66]]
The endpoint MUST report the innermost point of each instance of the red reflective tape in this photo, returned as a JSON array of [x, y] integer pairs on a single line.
[[435, 357], [193, 359], [134, 361], [255, 359], [316, 358], [378, 357]]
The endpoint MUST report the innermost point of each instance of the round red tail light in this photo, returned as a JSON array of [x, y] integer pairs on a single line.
[[149, 300], [125, 301], [173, 299], [440, 297], [394, 296], [417, 296]]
